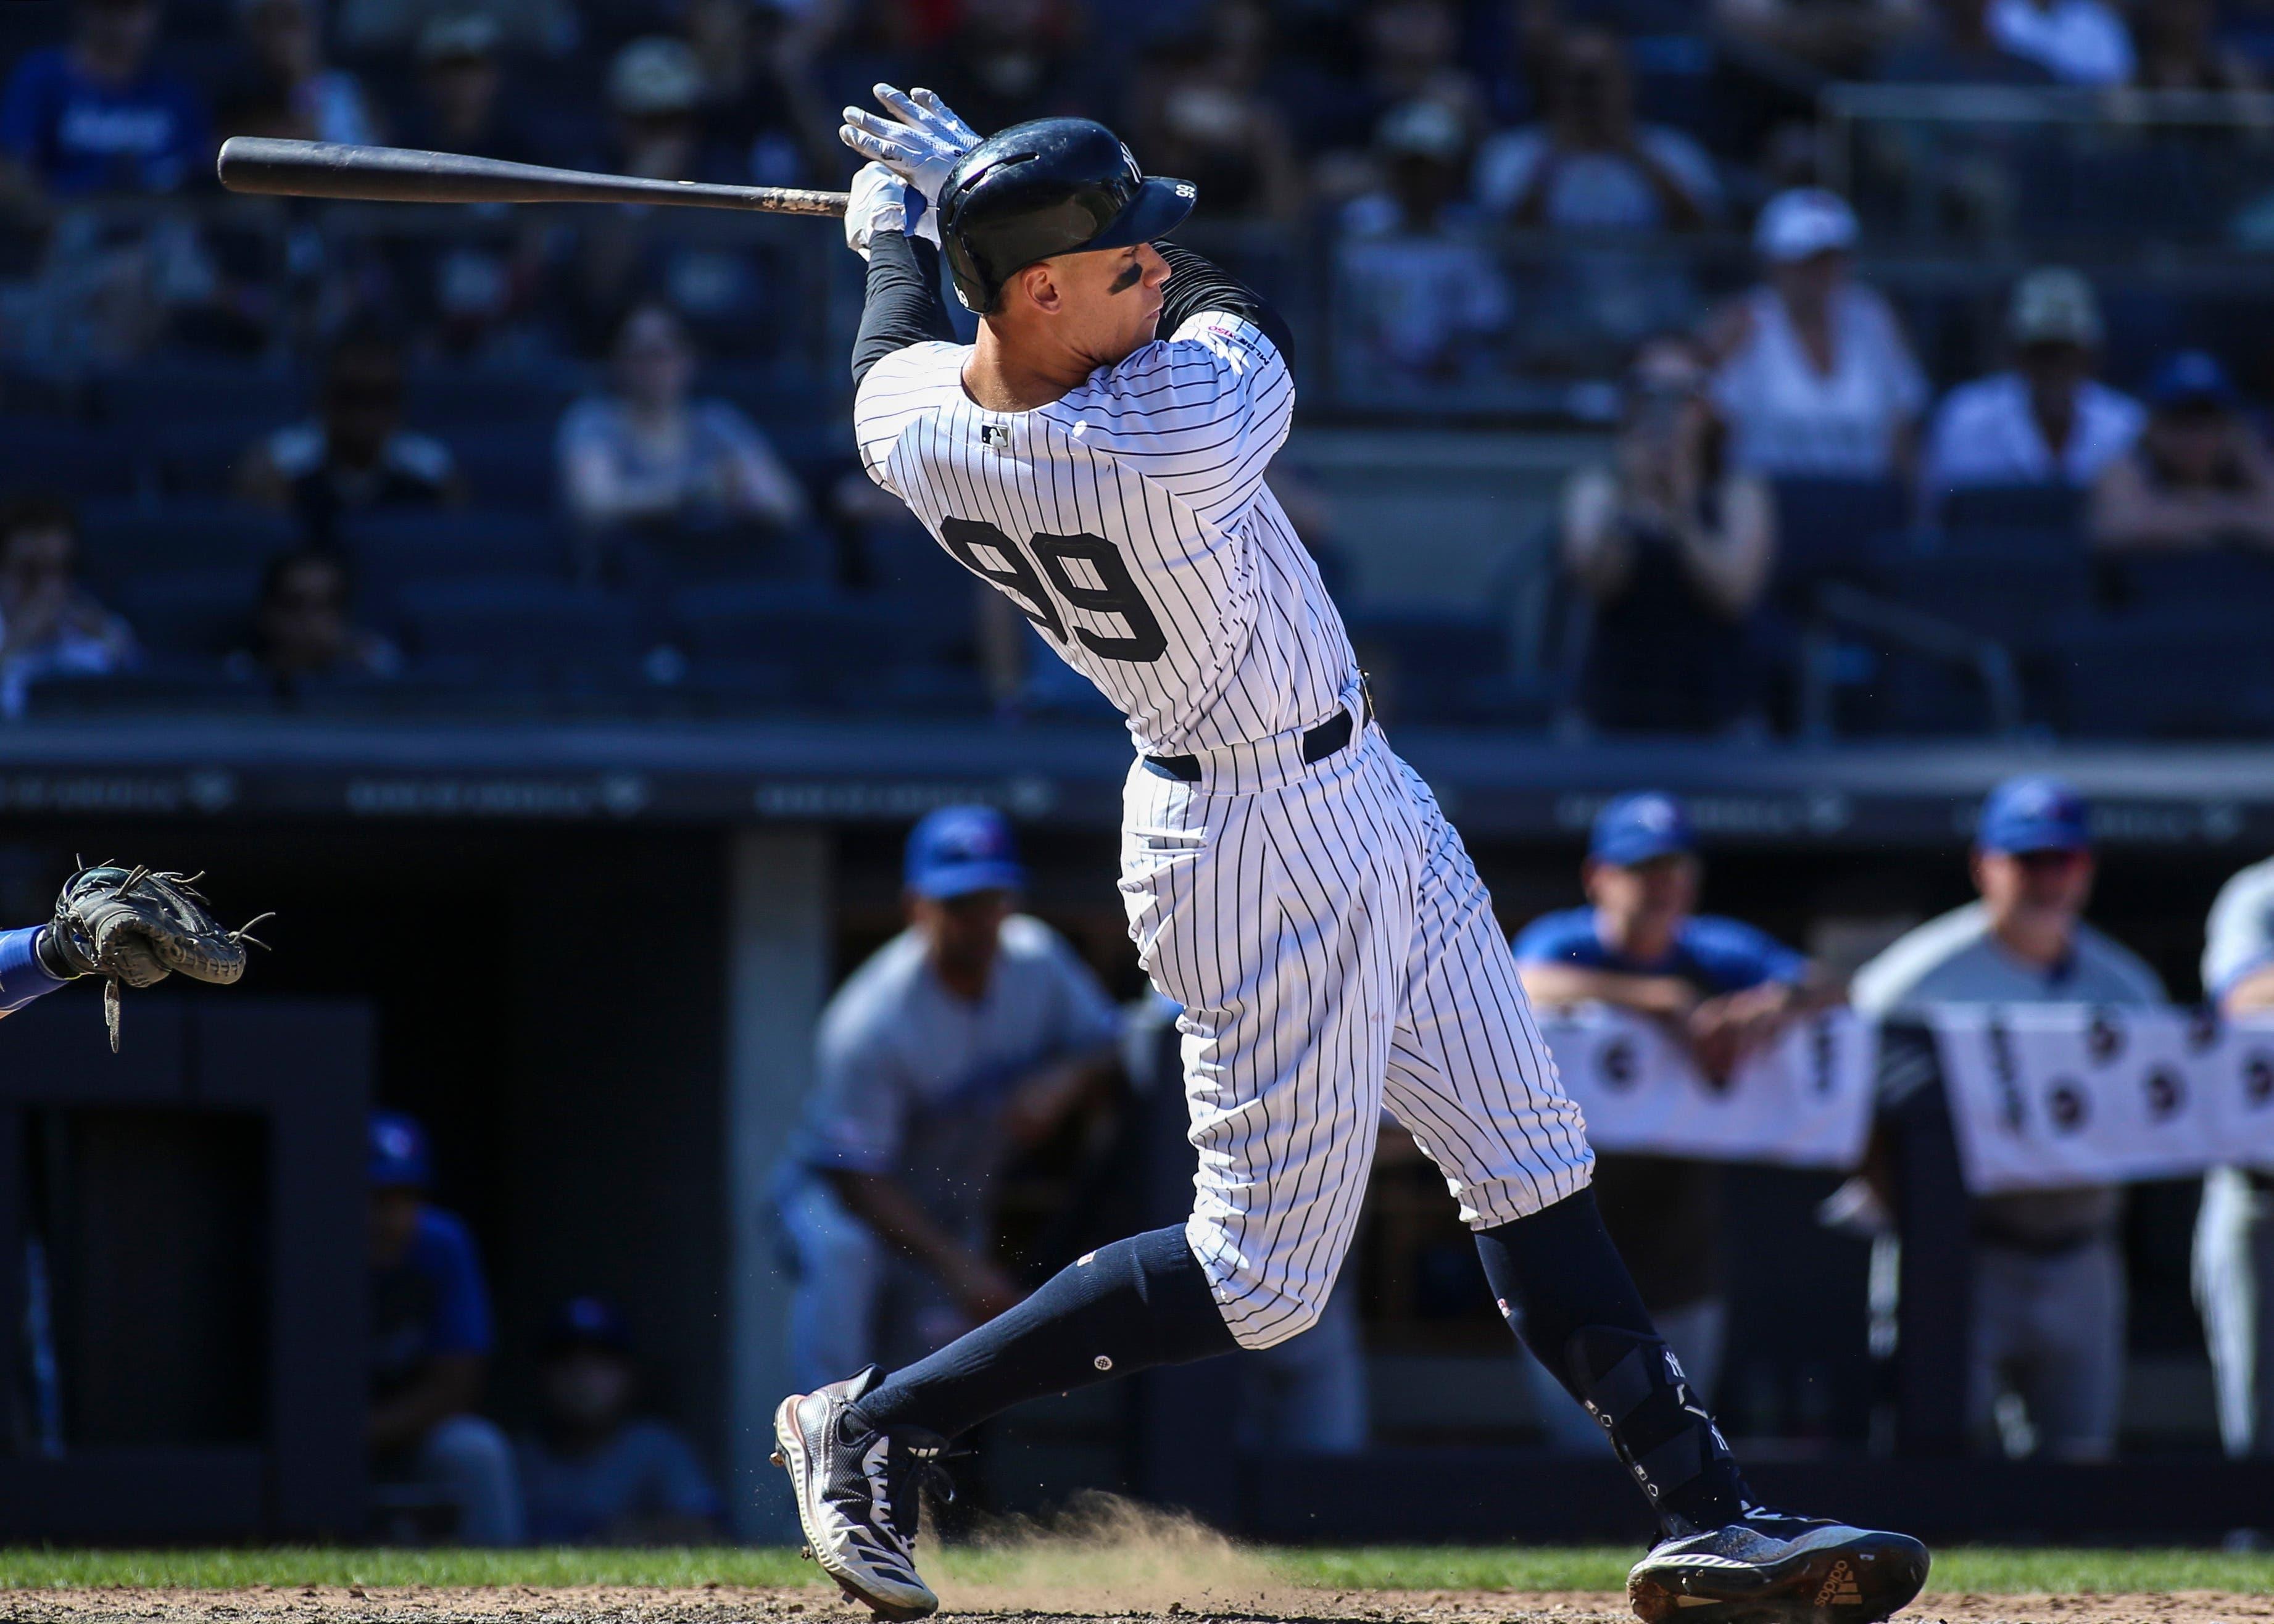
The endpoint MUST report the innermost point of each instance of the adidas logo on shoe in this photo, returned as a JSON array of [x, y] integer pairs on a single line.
[[1840, 1587]]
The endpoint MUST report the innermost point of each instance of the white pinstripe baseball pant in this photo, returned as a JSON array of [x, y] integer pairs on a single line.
[[1333, 951]]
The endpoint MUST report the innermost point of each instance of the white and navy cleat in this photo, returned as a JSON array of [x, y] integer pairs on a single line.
[[1769, 1567], [858, 1492]]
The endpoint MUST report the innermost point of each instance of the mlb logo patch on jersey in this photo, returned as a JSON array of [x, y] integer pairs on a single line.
[[995, 436]]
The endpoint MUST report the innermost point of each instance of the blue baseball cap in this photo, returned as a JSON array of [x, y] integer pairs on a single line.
[[2191, 377], [1636, 827], [2033, 815], [399, 1156], [959, 850], [588, 1322]]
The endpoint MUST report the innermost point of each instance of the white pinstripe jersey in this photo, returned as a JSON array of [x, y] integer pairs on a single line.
[[1129, 521]]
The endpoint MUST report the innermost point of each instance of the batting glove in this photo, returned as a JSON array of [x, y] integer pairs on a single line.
[[882, 201], [920, 143]]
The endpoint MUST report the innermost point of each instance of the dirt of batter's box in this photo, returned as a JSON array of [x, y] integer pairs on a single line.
[[522, 1605]]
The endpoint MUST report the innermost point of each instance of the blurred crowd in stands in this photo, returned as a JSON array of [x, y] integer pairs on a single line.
[[1884, 462]]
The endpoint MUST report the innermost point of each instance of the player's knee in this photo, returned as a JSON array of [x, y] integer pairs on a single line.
[[468, 1446]]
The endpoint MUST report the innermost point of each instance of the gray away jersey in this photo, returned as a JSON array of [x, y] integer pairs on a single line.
[[1129, 521]]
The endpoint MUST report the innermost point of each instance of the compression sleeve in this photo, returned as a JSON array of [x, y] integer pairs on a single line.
[[22, 976], [903, 305], [1196, 284]]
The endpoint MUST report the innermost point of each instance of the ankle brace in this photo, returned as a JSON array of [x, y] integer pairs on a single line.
[[1634, 1389]]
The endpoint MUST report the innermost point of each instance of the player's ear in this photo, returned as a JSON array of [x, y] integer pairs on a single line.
[[1041, 285]]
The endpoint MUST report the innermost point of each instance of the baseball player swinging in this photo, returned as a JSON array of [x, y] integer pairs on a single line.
[[1099, 455]]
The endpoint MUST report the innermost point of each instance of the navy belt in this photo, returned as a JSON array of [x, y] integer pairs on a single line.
[[1320, 743]]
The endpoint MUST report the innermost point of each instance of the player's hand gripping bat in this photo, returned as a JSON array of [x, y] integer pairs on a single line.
[[401, 175]]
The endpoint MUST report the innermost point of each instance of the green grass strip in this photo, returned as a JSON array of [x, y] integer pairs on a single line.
[[1987, 1569]]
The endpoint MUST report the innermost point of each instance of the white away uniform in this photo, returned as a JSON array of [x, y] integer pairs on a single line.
[[1319, 923]]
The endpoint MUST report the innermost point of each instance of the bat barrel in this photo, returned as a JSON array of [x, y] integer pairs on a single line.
[[275, 168]]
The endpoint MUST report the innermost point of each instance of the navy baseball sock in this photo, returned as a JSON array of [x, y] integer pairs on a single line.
[[1126, 1307], [1567, 1290]]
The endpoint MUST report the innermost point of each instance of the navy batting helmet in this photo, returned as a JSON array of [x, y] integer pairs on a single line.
[[1050, 186]]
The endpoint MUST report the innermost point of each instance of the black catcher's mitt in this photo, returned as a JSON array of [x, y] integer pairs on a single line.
[[134, 926]]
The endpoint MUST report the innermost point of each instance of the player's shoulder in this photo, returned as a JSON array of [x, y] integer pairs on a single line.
[[420, 456], [1717, 935], [1978, 399], [1567, 933], [1026, 938], [296, 449], [1905, 966], [2117, 968], [874, 991], [443, 1242], [915, 375], [2247, 890]]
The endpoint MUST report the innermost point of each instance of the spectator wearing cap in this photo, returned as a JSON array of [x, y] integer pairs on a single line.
[[1422, 297], [655, 87], [284, 88], [94, 116], [1816, 380], [355, 455], [2077, 41], [2198, 476], [976, 1032], [593, 1473], [1591, 166], [464, 107], [1672, 547], [2045, 420], [2234, 1226], [430, 1340], [1722, 989], [2049, 1290]]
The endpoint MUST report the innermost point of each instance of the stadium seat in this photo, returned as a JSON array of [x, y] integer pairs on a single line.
[[2046, 507], [124, 538], [1443, 665], [180, 390], [190, 612], [2007, 582], [829, 645], [63, 456], [1829, 529], [448, 400], [2179, 672], [507, 464], [392, 549], [519, 628], [163, 686], [2215, 580]]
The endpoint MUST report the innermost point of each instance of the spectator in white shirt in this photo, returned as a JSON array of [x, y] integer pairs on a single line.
[[1590, 166], [1422, 297], [1815, 376], [2077, 41], [649, 454], [2045, 420]]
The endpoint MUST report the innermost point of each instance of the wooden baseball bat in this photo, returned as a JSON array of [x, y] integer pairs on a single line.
[[401, 175]]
